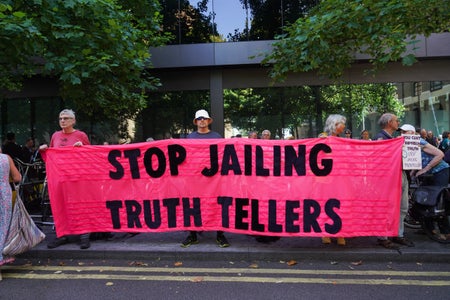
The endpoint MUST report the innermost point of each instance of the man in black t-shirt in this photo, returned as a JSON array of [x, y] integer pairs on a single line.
[[202, 120]]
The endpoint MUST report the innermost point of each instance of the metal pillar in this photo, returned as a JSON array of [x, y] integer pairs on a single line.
[[216, 95]]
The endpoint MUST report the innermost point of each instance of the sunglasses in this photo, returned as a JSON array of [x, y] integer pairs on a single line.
[[201, 119]]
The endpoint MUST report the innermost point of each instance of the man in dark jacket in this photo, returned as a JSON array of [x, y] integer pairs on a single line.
[[11, 148], [389, 124]]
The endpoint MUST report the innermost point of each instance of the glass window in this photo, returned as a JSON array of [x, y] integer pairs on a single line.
[[435, 85]]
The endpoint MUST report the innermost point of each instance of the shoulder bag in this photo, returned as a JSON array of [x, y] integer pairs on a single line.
[[23, 234]]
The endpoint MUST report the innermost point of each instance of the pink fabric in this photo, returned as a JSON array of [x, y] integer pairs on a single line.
[[354, 190]]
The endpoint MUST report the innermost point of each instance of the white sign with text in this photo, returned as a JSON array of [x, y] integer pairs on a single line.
[[412, 159]]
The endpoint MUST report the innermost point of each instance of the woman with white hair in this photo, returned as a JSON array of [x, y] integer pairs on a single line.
[[334, 126]]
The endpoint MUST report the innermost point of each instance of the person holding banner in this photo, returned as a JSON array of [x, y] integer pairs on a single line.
[[365, 135], [202, 120], [7, 169], [265, 134], [68, 136], [334, 126], [253, 135], [389, 124]]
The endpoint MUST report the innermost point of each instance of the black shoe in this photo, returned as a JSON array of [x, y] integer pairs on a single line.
[[403, 241], [222, 241], [85, 243], [57, 242], [267, 239], [190, 240]]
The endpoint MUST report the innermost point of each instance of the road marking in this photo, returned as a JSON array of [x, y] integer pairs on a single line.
[[236, 275], [228, 270], [245, 279]]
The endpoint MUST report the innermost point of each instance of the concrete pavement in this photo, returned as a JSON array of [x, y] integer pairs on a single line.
[[243, 247]]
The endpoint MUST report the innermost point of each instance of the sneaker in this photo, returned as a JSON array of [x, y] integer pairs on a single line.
[[403, 241], [57, 242], [222, 241], [388, 244], [190, 240], [85, 243], [341, 241]]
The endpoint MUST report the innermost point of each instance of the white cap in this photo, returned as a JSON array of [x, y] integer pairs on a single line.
[[201, 113], [407, 127]]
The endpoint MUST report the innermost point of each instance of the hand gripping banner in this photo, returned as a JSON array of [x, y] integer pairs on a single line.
[[310, 187]]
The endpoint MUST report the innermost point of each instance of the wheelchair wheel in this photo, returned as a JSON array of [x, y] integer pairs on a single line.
[[412, 223]]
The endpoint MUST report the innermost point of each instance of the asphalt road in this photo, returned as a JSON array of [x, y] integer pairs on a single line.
[[199, 279]]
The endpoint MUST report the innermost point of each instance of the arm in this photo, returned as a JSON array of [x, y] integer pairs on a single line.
[[15, 174], [438, 156]]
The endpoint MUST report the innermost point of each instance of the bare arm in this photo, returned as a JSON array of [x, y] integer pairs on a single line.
[[15, 174], [438, 156]]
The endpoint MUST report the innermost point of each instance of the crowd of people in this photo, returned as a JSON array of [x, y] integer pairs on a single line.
[[431, 148], [26, 152]]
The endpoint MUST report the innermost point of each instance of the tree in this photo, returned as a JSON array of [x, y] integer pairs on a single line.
[[277, 109], [172, 113], [187, 23], [357, 101], [269, 16], [326, 40], [96, 50]]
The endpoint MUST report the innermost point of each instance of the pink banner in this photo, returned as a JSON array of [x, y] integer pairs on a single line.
[[309, 187]]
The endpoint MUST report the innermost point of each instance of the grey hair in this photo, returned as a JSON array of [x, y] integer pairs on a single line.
[[331, 122], [250, 133], [265, 131], [385, 119], [68, 112]]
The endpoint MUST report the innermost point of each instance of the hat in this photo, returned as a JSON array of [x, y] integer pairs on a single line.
[[201, 113], [407, 127]]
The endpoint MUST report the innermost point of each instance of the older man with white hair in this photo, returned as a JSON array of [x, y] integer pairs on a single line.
[[389, 124]]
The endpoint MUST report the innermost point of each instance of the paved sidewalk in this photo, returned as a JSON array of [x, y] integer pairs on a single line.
[[243, 247]]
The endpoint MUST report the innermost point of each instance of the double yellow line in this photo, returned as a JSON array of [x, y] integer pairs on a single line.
[[112, 273]]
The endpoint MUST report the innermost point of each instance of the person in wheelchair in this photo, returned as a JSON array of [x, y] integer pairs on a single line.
[[432, 164]]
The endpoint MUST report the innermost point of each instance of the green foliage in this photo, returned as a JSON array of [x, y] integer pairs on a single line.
[[98, 50], [19, 38], [327, 39], [269, 16], [172, 113], [357, 101], [280, 108], [188, 23]]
